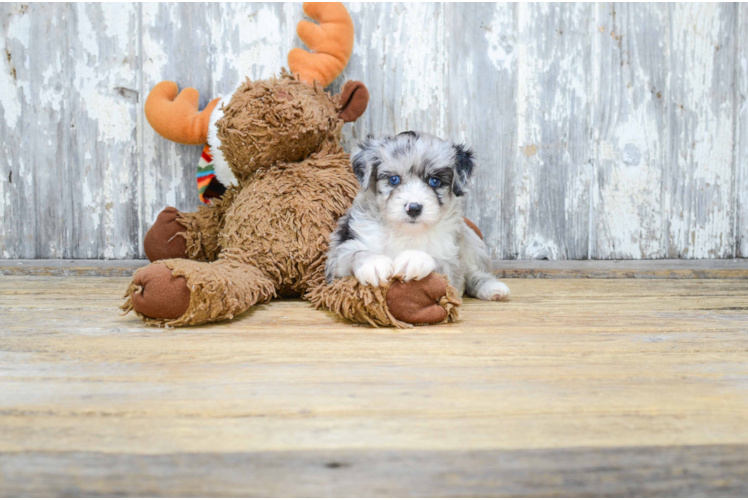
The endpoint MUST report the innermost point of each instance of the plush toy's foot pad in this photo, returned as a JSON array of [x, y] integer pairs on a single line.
[[161, 241], [159, 295], [429, 300]]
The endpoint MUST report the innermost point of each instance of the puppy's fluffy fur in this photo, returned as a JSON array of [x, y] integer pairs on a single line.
[[407, 219]]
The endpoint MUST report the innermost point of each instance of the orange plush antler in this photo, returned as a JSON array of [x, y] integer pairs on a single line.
[[330, 41], [175, 117]]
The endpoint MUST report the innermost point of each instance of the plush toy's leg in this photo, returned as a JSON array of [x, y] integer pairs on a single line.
[[401, 304], [183, 235], [179, 292]]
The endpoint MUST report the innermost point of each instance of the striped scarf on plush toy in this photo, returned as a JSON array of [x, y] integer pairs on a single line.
[[207, 185]]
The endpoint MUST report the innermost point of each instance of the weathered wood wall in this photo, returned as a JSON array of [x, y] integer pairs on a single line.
[[604, 130]]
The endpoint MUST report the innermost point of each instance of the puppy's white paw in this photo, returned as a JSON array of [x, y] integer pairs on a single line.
[[413, 265], [374, 270], [493, 290]]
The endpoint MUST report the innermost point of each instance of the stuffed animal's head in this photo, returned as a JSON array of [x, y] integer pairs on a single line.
[[282, 119]]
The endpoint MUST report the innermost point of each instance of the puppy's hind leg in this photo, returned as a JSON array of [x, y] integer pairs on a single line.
[[492, 289], [476, 263]]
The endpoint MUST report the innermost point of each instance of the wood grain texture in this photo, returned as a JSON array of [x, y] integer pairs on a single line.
[[630, 131], [405, 67], [688, 471], [482, 66], [602, 131], [70, 110], [572, 386], [700, 187], [552, 168], [599, 269], [741, 144], [27, 171]]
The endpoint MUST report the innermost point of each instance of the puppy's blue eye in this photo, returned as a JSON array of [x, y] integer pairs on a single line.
[[434, 182], [395, 180]]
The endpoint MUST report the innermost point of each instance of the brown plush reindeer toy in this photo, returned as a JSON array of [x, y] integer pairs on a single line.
[[276, 146]]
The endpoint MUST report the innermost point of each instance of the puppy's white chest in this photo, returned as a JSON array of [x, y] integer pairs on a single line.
[[439, 245]]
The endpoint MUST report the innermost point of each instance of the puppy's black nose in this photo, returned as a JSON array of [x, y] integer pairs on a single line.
[[414, 209]]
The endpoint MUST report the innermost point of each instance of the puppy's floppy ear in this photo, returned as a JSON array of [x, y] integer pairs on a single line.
[[463, 169], [365, 161]]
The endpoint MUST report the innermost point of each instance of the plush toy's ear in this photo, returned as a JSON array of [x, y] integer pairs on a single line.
[[463, 169], [365, 163], [353, 101]]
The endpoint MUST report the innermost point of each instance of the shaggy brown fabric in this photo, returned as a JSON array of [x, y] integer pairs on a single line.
[[162, 241], [430, 300], [472, 226], [202, 227], [349, 299], [283, 223], [273, 237], [155, 292], [216, 291], [260, 127], [268, 236], [353, 101]]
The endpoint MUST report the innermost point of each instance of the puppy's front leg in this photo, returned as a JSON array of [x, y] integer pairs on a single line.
[[372, 268], [413, 265], [350, 255]]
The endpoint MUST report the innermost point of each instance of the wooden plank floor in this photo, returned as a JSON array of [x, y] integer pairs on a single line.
[[573, 387], [598, 269]]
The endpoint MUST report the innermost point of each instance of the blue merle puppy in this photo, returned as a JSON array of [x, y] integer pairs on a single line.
[[407, 220]]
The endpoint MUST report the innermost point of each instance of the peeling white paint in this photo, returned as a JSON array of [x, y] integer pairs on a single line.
[[539, 248], [500, 49], [19, 28], [117, 24], [112, 114], [258, 54], [91, 202], [19, 31], [421, 93], [634, 172], [701, 217], [51, 93], [155, 56]]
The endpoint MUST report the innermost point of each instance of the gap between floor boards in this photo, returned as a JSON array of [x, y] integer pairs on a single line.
[[544, 269]]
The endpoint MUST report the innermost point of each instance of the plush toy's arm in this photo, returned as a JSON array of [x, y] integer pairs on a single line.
[[397, 303], [427, 301]]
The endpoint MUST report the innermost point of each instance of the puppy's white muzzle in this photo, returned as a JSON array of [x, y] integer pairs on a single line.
[[413, 204]]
